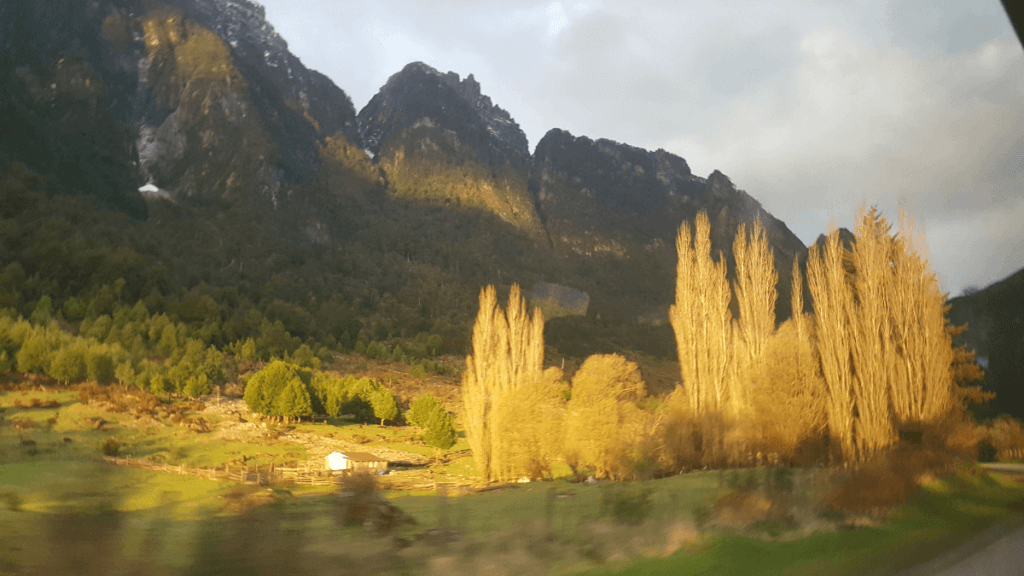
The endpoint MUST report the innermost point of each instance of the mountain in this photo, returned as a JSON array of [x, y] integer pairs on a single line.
[[626, 203], [439, 139], [613, 207], [199, 100], [247, 172], [995, 331]]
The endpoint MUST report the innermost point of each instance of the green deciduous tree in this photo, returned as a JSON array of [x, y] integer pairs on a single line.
[[601, 417], [263, 388]]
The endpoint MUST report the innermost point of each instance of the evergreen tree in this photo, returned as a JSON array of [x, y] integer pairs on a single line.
[[196, 386], [384, 405], [422, 409], [440, 434], [248, 352], [293, 401], [43, 312]]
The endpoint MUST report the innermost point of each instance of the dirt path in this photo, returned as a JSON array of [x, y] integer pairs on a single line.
[[999, 551]]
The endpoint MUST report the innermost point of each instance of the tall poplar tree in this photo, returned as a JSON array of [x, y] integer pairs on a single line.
[[872, 324], [755, 289], [508, 352], [833, 310], [922, 386], [885, 346], [701, 319]]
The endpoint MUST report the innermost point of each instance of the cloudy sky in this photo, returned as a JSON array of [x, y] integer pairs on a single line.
[[812, 107]]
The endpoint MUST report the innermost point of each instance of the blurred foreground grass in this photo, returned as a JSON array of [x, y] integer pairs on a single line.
[[64, 511]]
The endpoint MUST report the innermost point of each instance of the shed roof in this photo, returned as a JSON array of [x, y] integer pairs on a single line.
[[362, 457]]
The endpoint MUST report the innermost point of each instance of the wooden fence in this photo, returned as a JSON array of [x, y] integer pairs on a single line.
[[1010, 454], [304, 475]]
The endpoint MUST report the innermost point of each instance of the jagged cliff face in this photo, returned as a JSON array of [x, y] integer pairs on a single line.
[[439, 139], [298, 105], [199, 100], [603, 197]]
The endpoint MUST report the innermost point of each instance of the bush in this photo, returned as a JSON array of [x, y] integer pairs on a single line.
[[1005, 435], [12, 501], [626, 502], [111, 447], [885, 482]]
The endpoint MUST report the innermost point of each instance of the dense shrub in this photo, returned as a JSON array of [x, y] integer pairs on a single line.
[[111, 447], [626, 502]]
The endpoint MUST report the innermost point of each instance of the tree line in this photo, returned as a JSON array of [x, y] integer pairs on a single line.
[[871, 360]]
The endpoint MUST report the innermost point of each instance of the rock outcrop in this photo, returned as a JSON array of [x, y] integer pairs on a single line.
[[440, 140]]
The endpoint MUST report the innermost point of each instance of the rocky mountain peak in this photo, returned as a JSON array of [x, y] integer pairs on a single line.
[[419, 91], [260, 52], [616, 174], [440, 139]]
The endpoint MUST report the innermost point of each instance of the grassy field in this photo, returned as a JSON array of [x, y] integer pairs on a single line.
[[63, 510], [947, 513]]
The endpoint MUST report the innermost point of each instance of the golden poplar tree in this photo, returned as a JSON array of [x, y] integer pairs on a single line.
[[885, 346], [872, 324], [701, 319], [833, 310], [755, 289], [508, 352], [922, 387]]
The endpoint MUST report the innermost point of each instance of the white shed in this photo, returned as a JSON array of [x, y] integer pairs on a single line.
[[356, 461]]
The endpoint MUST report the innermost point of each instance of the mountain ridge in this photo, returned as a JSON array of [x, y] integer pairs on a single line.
[[213, 110]]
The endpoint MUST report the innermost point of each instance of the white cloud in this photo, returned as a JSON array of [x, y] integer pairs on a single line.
[[557, 18]]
